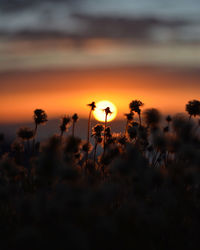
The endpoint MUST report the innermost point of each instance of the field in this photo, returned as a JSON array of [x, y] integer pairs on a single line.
[[131, 190]]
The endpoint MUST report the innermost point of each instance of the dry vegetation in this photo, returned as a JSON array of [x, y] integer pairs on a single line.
[[136, 189]]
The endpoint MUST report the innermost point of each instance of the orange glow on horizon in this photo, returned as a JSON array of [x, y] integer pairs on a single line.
[[60, 93]]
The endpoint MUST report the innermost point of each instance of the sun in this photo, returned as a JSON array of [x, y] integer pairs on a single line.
[[99, 112]]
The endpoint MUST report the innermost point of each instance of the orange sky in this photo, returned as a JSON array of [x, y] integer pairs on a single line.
[[66, 92]]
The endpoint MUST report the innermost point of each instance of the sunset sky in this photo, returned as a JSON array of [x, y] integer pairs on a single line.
[[61, 55]]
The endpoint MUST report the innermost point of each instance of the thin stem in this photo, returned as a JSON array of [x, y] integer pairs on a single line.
[[140, 120], [88, 136], [104, 140], [95, 150], [126, 129], [73, 127], [88, 132]]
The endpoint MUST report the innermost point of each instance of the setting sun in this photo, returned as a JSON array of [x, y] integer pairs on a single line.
[[99, 112]]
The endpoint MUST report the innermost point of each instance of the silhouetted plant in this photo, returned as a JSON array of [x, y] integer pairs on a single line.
[[92, 108], [135, 107], [107, 112], [40, 117], [183, 128], [143, 194], [26, 134], [110, 139], [86, 147], [193, 108], [129, 119], [49, 161], [132, 132], [160, 144], [152, 117], [168, 119], [74, 120], [97, 134], [120, 139], [72, 150], [65, 123]]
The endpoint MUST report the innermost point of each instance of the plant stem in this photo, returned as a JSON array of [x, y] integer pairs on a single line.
[[104, 139], [95, 150], [140, 120], [88, 136], [126, 129], [73, 126]]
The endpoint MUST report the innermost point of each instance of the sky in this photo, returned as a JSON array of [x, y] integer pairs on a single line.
[[61, 55]]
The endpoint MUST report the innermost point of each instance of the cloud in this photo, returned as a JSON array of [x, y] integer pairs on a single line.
[[122, 27], [19, 5]]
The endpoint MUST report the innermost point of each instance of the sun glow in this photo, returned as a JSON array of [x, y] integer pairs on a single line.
[[99, 112]]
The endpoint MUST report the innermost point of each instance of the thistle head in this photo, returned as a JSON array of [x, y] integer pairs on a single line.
[[107, 111], [65, 121], [40, 116], [129, 116], [135, 106], [193, 108], [152, 117], [75, 118], [168, 118], [25, 133], [92, 105], [97, 130]]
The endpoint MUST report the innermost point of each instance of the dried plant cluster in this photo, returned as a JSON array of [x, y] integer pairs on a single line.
[[136, 189]]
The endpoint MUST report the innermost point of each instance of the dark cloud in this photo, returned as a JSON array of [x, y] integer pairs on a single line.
[[18, 5], [124, 27], [103, 27]]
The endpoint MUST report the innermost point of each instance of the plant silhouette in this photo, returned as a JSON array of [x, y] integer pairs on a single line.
[[139, 189], [97, 134], [193, 108], [65, 123], [74, 121], [107, 112], [26, 134], [129, 118], [92, 108], [152, 117], [135, 107], [40, 117]]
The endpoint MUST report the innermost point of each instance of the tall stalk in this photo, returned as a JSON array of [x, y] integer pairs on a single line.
[[95, 151], [74, 120], [93, 106], [126, 128], [140, 119], [104, 139], [73, 125]]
